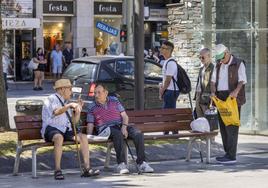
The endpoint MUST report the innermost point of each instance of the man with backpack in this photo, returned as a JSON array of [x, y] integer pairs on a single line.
[[169, 90]]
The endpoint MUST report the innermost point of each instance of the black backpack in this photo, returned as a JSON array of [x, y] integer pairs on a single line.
[[183, 82]]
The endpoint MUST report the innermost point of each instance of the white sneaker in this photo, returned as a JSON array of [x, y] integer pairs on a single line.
[[144, 167], [122, 168]]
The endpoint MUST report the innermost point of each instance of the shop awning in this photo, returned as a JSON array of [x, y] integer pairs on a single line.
[[20, 23]]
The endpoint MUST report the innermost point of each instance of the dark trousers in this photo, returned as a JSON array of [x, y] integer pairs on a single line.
[[229, 134], [118, 141], [170, 98], [5, 79]]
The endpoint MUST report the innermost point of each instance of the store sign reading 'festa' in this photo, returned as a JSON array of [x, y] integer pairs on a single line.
[[106, 28], [58, 7], [107, 8]]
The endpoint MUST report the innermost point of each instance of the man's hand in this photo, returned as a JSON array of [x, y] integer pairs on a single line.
[[124, 131], [212, 95], [75, 106], [234, 94]]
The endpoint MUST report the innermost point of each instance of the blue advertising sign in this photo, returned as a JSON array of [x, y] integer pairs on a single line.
[[106, 28]]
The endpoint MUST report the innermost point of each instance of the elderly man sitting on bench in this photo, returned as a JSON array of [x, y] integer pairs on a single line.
[[106, 112]]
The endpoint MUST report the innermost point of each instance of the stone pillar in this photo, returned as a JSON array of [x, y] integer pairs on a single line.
[[83, 28], [186, 31], [39, 32]]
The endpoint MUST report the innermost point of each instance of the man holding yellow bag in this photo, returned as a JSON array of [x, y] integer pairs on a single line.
[[228, 84]]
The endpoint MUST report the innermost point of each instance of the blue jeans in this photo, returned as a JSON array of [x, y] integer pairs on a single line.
[[170, 98]]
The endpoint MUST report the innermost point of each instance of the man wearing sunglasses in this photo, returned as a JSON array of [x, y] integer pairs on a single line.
[[169, 91], [228, 79], [203, 89]]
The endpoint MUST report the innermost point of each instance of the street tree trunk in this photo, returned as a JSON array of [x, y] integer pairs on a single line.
[[4, 119]]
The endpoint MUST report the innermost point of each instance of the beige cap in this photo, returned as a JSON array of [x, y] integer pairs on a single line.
[[62, 83]]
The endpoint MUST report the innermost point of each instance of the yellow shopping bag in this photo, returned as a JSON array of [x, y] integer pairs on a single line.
[[228, 110]]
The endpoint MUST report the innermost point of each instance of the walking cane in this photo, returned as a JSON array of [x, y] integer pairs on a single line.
[[76, 142]]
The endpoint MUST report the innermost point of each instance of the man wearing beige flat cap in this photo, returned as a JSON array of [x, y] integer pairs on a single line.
[[57, 125], [228, 79]]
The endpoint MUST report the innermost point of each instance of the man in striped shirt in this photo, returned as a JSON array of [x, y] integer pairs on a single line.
[[107, 112]]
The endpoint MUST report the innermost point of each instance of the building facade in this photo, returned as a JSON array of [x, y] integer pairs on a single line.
[[18, 24], [240, 25]]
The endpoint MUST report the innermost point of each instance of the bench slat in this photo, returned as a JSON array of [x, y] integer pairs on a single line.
[[160, 127], [151, 112], [180, 135], [28, 118], [160, 118], [28, 125], [29, 134]]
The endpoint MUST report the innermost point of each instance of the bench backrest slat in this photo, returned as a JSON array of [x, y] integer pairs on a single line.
[[28, 127], [160, 127], [29, 134], [160, 118], [156, 120], [151, 112]]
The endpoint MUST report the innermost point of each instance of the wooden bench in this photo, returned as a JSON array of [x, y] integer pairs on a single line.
[[151, 122]]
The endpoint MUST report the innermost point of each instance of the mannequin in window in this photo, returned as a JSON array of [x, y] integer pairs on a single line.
[[113, 46], [99, 44], [84, 52]]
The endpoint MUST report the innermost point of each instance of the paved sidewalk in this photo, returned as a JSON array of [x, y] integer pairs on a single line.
[[250, 171]]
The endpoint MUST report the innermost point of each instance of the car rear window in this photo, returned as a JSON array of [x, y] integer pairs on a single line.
[[81, 68]]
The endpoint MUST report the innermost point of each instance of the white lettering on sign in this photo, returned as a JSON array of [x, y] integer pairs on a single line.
[[20, 23], [107, 9], [158, 15], [14, 23], [57, 8]]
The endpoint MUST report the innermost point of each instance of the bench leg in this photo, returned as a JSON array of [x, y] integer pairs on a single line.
[[108, 155], [34, 151], [17, 159], [189, 149], [208, 149]]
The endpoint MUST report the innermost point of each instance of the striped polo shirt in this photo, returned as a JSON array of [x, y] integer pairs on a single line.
[[104, 115]]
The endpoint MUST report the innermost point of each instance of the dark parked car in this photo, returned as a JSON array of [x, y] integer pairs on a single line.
[[117, 73]]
